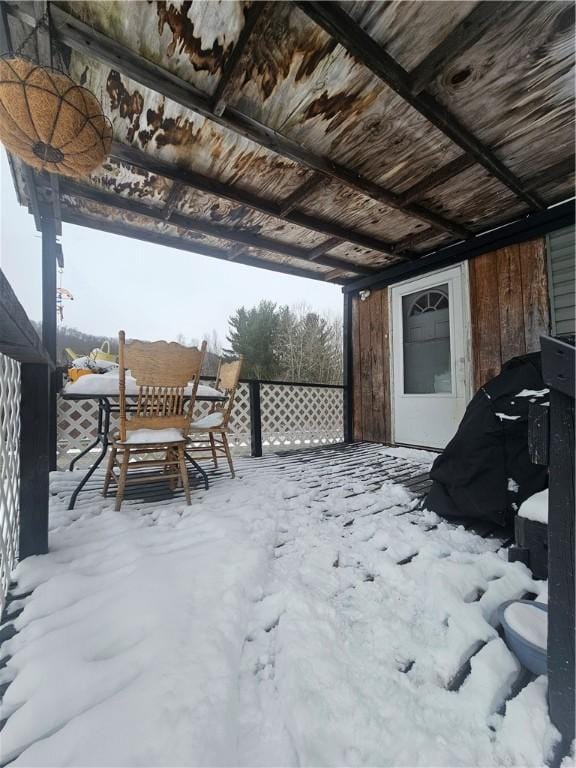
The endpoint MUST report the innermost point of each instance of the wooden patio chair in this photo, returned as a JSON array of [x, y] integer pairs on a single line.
[[210, 432], [161, 419]]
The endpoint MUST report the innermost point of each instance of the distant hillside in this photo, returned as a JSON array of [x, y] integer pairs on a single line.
[[84, 343]]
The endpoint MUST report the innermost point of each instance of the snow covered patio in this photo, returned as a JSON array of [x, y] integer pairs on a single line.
[[307, 613]]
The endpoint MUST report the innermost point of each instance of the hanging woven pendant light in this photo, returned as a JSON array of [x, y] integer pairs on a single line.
[[49, 121]]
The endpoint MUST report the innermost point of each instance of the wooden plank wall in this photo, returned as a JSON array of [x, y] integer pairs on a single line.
[[371, 361], [509, 307]]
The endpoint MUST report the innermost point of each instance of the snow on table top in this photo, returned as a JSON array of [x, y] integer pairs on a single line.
[[106, 384], [529, 621], [255, 628], [536, 507]]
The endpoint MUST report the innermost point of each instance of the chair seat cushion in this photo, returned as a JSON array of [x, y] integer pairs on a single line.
[[153, 436], [211, 421]]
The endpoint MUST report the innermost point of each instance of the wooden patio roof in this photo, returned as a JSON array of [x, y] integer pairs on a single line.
[[325, 139]]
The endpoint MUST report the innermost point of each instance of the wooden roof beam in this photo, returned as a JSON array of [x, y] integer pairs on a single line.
[[210, 229], [301, 193], [419, 237], [526, 227], [483, 16], [235, 251], [333, 274], [340, 25], [232, 75], [192, 180], [92, 43], [556, 172], [71, 216], [176, 191], [446, 172], [319, 250]]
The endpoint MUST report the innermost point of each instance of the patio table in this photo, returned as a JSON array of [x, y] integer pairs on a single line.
[[104, 388]]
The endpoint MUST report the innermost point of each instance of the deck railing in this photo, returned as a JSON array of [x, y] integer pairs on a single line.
[[9, 468], [25, 375], [267, 416]]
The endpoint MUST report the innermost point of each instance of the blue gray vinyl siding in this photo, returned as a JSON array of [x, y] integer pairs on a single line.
[[561, 269]]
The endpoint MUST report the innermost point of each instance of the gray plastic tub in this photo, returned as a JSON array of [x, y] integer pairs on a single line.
[[531, 656]]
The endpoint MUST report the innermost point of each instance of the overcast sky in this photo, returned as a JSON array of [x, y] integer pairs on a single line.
[[150, 291]]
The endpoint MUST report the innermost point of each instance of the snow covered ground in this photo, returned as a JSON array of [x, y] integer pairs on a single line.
[[287, 618]]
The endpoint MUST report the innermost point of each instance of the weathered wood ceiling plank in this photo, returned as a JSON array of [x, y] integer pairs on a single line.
[[472, 27], [80, 37], [300, 83], [85, 192], [193, 40], [409, 31], [516, 87], [251, 118], [232, 73], [323, 248], [339, 24], [473, 198], [103, 223], [335, 202], [211, 208], [167, 170], [301, 193], [172, 200], [424, 239], [443, 174], [557, 172], [363, 256]]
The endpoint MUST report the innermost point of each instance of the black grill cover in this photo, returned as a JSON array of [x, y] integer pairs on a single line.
[[485, 471]]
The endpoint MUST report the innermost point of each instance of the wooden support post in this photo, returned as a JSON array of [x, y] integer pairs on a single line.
[[558, 373], [49, 256], [347, 370], [255, 418], [34, 459]]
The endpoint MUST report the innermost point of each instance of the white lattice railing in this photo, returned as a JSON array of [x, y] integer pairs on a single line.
[[9, 469], [293, 416]]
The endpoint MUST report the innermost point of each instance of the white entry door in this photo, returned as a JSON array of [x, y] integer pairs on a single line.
[[430, 360]]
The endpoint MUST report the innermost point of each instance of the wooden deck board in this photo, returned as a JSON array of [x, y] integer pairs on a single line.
[[358, 471]]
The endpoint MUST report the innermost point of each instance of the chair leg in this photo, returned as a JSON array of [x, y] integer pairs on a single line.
[[167, 459], [228, 454], [173, 456], [213, 448], [109, 470], [184, 473], [122, 479]]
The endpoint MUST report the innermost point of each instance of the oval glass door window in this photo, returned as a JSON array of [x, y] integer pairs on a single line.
[[426, 341]]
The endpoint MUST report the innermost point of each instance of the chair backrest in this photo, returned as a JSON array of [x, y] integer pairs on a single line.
[[167, 376], [227, 382]]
